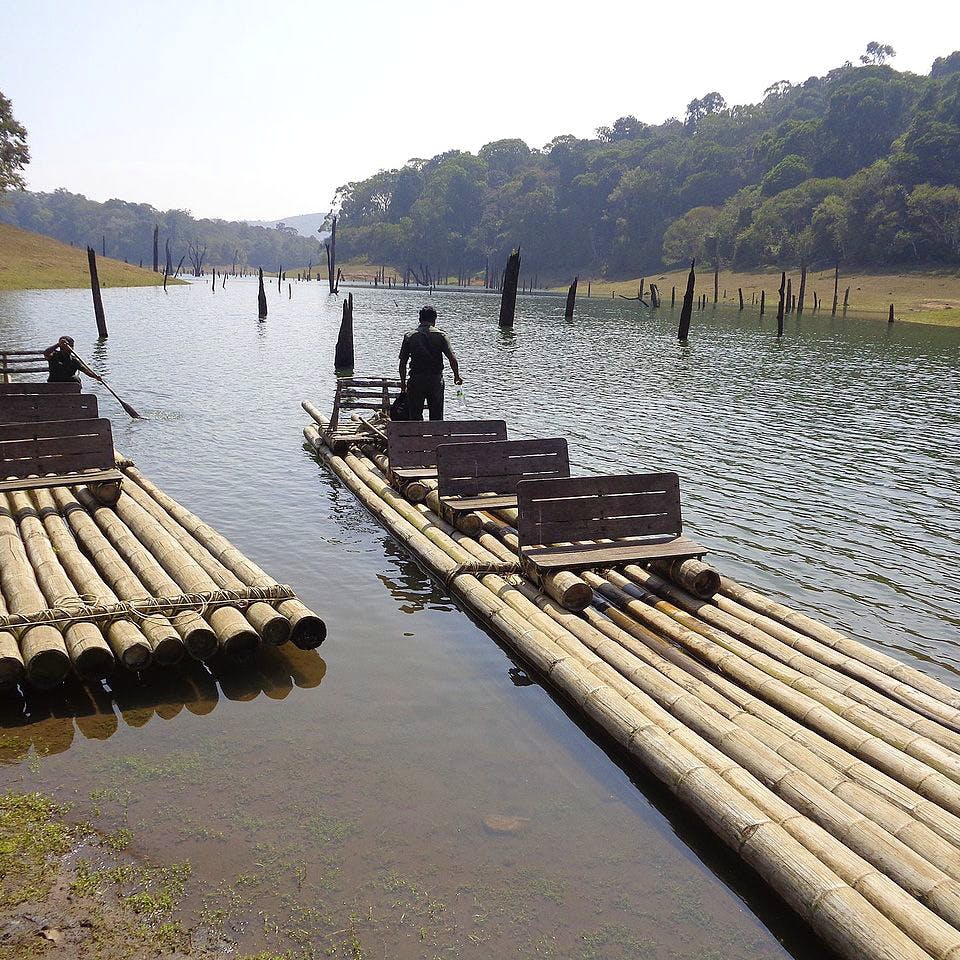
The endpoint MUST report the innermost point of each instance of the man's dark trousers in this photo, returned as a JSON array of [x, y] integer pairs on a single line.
[[428, 390]]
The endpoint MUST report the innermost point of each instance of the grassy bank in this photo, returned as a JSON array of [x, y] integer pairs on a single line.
[[928, 297], [30, 261]]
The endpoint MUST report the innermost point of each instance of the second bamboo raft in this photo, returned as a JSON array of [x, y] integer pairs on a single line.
[[830, 768], [91, 588]]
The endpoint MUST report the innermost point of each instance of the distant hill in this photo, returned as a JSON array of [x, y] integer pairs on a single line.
[[126, 230], [306, 224], [30, 261]]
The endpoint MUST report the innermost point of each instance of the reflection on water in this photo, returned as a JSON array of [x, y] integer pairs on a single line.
[[46, 720], [823, 468]]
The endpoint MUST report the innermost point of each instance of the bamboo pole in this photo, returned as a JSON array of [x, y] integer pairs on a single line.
[[840, 914], [796, 651], [89, 651], [912, 772], [11, 660], [307, 630], [237, 637], [642, 646], [42, 648], [272, 626], [776, 728], [129, 568], [163, 641], [781, 790], [840, 642]]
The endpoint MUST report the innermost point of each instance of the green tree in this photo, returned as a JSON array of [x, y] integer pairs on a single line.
[[14, 155], [692, 236], [878, 53], [936, 212]]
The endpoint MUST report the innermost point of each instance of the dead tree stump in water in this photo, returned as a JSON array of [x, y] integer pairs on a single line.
[[589, 285], [673, 297], [343, 355], [846, 300], [262, 299], [571, 300], [331, 248], [508, 299], [156, 251], [783, 285], [716, 282], [740, 291], [95, 290], [654, 296], [803, 288], [169, 258], [763, 301], [890, 317], [640, 292], [684, 329], [836, 288]]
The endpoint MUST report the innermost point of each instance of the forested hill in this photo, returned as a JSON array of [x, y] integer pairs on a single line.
[[125, 231], [861, 165]]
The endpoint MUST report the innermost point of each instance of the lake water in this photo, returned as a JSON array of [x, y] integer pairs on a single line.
[[334, 803]]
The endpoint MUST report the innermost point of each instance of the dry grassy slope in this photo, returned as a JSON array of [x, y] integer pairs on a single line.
[[31, 261]]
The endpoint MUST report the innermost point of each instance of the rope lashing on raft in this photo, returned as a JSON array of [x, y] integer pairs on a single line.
[[504, 568], [85, 609]]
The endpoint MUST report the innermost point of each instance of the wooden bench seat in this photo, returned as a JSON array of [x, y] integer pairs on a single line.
[[57, 453], [412, 444], [38, 387], [26, 407], [484, 476], [562, 522]]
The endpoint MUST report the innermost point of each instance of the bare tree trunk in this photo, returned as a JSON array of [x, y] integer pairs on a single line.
[[783, 284], [262, 298], [95, 290], [687, 309], [763, 301], [571, 300], [169, 267], [716, 281], [740, 291], [508, 300], [836, 289], [803, 289], [156, 251], [343, 355], [331, 247]]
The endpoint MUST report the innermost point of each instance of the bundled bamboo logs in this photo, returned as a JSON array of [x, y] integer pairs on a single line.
[[833, 770], [103, 589]]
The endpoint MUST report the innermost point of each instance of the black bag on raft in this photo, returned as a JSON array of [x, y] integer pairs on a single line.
[[399, 409]]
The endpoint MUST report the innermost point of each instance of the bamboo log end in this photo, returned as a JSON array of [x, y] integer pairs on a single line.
[[47, 668], [106, 492], [94, 663], [241, 644], [469, 523], [169, 650]]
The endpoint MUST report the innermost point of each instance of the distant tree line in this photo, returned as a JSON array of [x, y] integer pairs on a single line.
[[125, 230], [862, 164]]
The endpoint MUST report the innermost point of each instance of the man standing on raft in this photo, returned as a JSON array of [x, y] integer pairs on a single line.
[[64, 365], [425, 349]]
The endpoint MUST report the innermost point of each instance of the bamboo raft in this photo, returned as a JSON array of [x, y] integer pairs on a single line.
[[90, 588], [830, 768]]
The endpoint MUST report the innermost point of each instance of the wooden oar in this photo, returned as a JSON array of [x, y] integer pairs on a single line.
[[123, 403]]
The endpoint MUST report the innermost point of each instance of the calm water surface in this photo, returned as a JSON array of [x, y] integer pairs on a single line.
[[335, 803]]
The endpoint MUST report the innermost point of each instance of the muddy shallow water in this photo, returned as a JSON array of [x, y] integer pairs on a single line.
[[405, 791]]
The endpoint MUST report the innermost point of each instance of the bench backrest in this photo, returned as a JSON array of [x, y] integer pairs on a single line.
[[413, 443], [595, 508], [469, 469], [26, 407], [58, 447], [21, 361], [363, 393], [25, 386]]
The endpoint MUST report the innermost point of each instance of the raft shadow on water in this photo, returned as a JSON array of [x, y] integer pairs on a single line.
[[46, 720]]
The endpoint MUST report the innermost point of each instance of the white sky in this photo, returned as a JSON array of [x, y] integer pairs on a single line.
[[242, 109]]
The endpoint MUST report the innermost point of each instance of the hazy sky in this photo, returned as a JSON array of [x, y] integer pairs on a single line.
[[260, 110]]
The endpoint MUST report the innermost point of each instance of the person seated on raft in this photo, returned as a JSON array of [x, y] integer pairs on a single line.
[[425, 349], [64, 364]]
